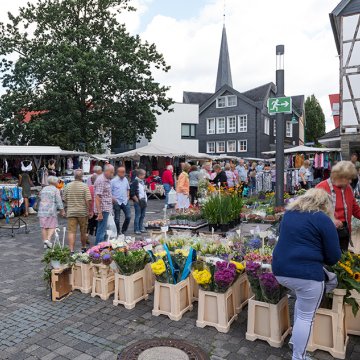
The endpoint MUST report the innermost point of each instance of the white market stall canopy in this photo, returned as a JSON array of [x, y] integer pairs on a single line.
[[304, 149], [10, 150], [157, 151]]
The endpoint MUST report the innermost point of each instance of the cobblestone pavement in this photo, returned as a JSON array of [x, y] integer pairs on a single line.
[[83, 328]]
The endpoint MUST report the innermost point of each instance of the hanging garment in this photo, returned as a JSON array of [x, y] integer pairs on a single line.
[[26, 167], [44, 176], [86, 165], [299, 161]]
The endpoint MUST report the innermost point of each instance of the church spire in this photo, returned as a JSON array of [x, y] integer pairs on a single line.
[[224, 68]]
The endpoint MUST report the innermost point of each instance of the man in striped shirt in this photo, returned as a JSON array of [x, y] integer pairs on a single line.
[[78, 202]]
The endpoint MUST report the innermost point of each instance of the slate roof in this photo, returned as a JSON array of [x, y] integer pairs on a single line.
[[259, 93], [195, 97], [224, 69], [298, 103], [331, 134]]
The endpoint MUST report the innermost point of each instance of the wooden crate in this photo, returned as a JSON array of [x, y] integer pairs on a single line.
[[242, 292], [268, 322], [103, 281], [82, 276], [194, 288], [150, 279], [328, 332], [172, 300], [129, 290], [60, 283], [216, 310], [352, 323]]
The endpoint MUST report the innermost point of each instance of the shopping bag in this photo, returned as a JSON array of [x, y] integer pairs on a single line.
[[172, 197], [111, 227]]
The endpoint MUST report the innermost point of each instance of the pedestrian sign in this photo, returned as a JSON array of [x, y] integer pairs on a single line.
[[280, 105]]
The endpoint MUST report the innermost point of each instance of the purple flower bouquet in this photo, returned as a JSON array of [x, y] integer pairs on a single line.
[[272, 291], [95, 257], [253, 271], [224, 276]]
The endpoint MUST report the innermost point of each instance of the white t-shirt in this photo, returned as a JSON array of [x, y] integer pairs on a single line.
[[86, 165]]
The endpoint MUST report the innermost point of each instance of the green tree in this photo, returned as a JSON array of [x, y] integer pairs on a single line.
[[76, 63], [315, 120]]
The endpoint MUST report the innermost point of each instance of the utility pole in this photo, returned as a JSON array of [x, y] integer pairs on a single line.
[[280, 126]]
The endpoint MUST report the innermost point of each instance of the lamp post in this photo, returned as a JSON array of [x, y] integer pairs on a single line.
[[280, 126]]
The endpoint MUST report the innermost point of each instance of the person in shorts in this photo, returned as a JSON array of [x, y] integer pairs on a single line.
[[78, 201]]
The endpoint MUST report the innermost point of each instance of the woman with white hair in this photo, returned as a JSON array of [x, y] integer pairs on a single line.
[[168, 182], [308, 241], [50, 203], [343, 200]]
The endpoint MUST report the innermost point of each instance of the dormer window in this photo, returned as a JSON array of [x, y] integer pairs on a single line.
[[226, 101]]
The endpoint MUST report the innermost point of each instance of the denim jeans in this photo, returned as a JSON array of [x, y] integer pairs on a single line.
[[139, 217], [167, 189], [308, 297], [101, 228], [117, 212]]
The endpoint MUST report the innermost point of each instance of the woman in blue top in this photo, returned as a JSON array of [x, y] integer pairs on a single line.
[[308, 241]]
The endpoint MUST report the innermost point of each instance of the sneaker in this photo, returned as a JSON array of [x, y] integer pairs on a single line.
[[137, 232], [83, 250], [143, 231], [291, 344], [47, 244]]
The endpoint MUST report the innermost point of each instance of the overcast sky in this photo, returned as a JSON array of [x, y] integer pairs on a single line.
[[188, 33]]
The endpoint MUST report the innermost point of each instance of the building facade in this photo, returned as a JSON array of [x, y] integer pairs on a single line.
[[345, 22], [238, 123]]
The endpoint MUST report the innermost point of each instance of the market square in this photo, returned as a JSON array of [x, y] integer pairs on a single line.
[[165, 195]]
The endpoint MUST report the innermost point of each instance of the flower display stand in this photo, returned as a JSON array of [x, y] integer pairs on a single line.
[[60, 283], [355, 238], [352, 323], [150, 279], [129, 290], [329, 333], [103, 284], [82, 277], [216, 309], [172, 300], [194, 288], [242, 292], [269, 322]]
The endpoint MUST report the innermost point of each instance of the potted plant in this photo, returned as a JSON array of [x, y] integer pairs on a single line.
[[172, 295], [269, 306], [216, 303], [131, 278], [57, 257]]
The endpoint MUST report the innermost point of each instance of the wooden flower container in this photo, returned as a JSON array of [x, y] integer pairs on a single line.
[[60, 283], [355, 237], [269, 322], [103, 284], [329, 333], [129, 290], [242, 292], [150, 279], [172, 300], [216, 309], [194, 288], [82, 277], [352, 323]]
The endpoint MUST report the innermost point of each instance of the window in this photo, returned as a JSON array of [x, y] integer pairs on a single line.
[[274, 127], [188, 131], [210, 147], [242, 145], [242, 127], [210, 126], [231, 100], [221, 102], [231, 146], [231, 124], [289, 129], [220, 125], [267, 126], [226, 101], [220, 146]]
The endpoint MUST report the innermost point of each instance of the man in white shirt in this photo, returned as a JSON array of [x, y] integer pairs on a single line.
[[120, 191], [242, 172]]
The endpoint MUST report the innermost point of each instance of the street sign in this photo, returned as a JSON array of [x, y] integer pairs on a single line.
[[280, 105]]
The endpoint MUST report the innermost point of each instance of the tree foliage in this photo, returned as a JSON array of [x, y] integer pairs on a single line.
[[75, 62], [315, 120]]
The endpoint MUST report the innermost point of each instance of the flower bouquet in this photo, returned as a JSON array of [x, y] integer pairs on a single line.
[[131, 261]]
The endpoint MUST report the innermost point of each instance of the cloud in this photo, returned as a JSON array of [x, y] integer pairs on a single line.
[[254, 28]]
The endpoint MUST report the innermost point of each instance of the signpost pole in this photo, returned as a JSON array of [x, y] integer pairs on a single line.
[[280, 126]]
